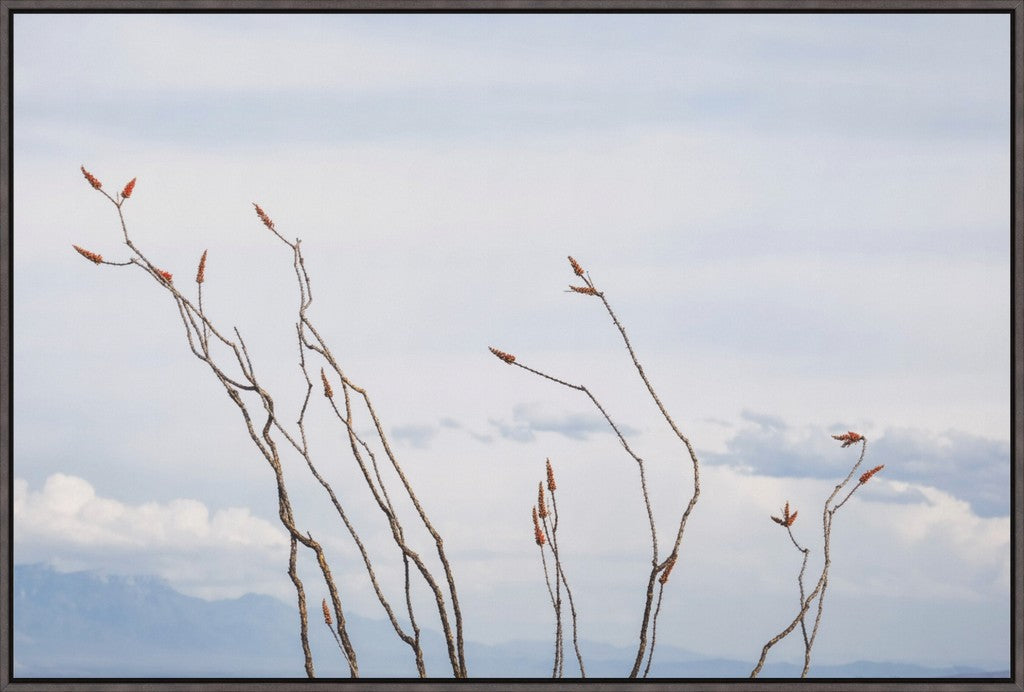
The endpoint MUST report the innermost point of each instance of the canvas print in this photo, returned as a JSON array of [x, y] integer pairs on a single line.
[[527, 345]]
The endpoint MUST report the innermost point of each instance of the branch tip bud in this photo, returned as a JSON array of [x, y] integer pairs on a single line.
[[92, 179], [327, 613], [91, 256], [263, 217], [848, 438], [507, 357], [866, 476], [201, 272]]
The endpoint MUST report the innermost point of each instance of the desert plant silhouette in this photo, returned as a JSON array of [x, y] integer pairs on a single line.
[[228, 359]]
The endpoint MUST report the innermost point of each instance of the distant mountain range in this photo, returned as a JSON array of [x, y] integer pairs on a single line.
[[86, 625]]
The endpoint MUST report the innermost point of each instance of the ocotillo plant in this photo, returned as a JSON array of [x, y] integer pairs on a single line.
[[659, 568], [786, 521], [232, 365], [230, 362], [545, 533]]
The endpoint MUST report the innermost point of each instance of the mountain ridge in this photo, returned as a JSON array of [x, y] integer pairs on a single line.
[[83, 624]]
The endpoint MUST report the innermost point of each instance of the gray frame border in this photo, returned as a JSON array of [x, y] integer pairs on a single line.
[[10, 7]]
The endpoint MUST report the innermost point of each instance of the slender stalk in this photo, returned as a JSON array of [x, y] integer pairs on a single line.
[[818, 593], [303, 617], [560, 566], [654, 630], [657, 567], [201, 335]]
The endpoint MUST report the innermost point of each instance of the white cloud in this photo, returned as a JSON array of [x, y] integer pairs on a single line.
[[224, 554], [737, 568]]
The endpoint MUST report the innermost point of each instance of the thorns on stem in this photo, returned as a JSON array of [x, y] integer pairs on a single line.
[[199, 328], [92, 179], [646, 624], [91, 256], [866, 476], [507, 357], [127, 191], [201, 272], [818, 593]]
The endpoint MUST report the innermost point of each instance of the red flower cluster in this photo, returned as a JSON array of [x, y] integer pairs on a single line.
[[551, 478], [127, 191], [201, 272], [866, 476], [328, 392], [787, 518], [166, 276], [576, 266], [91, 256], [327, 613], [507, 357], [92, 179], [848, 438], [586, 290], [538, 534], [263, 217]]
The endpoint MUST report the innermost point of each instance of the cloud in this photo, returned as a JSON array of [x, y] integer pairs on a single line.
[[530, 419], [419, 436], [213, 555], [895, 492], [763, 419], [937, 557], [530, 73], [969, 467]]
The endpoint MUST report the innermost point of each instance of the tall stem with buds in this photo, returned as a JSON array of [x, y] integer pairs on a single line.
[[658, 567], [207, 342], [818, 593], [545, 532]]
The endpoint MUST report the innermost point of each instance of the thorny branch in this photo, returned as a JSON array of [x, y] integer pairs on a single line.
[[828, 513], [545, 528], [657, 567], [233, 368], [201, 333]]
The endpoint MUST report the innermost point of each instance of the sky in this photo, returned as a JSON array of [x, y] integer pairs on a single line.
[[802, 221]]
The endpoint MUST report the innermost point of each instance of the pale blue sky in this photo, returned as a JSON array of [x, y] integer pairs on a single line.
[[802, 220]]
